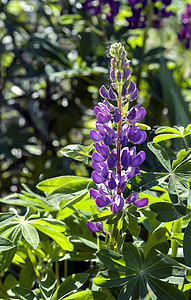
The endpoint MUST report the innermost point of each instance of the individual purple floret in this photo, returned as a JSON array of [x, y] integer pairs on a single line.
[[114, 163], [94, 227], [97, 7], [185, 31], [139, 13], [134, 199], [117, 204]]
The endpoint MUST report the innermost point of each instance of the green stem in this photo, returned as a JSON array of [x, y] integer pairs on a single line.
[[57, 273], [187, 148], [65, 269], [97, 234], [33, 260], [113, 236]]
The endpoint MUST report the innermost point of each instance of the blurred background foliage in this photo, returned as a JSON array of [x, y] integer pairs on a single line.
[[52, 64]]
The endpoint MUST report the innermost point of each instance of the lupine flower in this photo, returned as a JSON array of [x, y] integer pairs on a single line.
[[139, 14], [97, 7], [114, 163], [94, 227], [134, 198], [185, 32]]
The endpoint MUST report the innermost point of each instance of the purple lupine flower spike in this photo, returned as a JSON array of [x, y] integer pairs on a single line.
[[115, 163]]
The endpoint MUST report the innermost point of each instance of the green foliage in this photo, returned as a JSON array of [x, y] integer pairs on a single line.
[[139, 275]]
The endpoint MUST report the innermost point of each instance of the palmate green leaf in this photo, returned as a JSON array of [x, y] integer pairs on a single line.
[[47, 286], [161, 155], [24, 293], [88, 295], [70, 284], [186, 245], [6, 244], [30, 234], [49, 185], [77, 152], [69, 19], [140, 276], [58, 237]]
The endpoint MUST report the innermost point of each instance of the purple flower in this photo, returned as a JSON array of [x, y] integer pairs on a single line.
[[134, 198], [135, 135], [117, 204], [117, 115], [112, 160], [185, 32], [114, 163], [104, 92], [136, 114], [94, 227]]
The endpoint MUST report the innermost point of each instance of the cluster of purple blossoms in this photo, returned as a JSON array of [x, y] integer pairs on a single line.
[[96, 8], [114, 162], [185, 32], [139, 15]]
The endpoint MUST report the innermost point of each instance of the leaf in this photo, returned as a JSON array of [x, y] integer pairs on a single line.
[[102, 216], [145, 181], [6, 244], [58, 237], [49, 185], [47, 286], [133, 225], [25, 293], [164, 137], [138, 274], [77, 152], [109, 279], [166, 212], [88, 295], [186, 245], [6, 258], [161, 155], [167, 129], [181, 158], [30, 235], [178, 110], [179, 193], [69, 191], [6, 218], [166, 290], [70, 284], [54, 224]]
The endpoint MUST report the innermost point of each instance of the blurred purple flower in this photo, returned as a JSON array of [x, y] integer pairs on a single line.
[[94, 227]]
